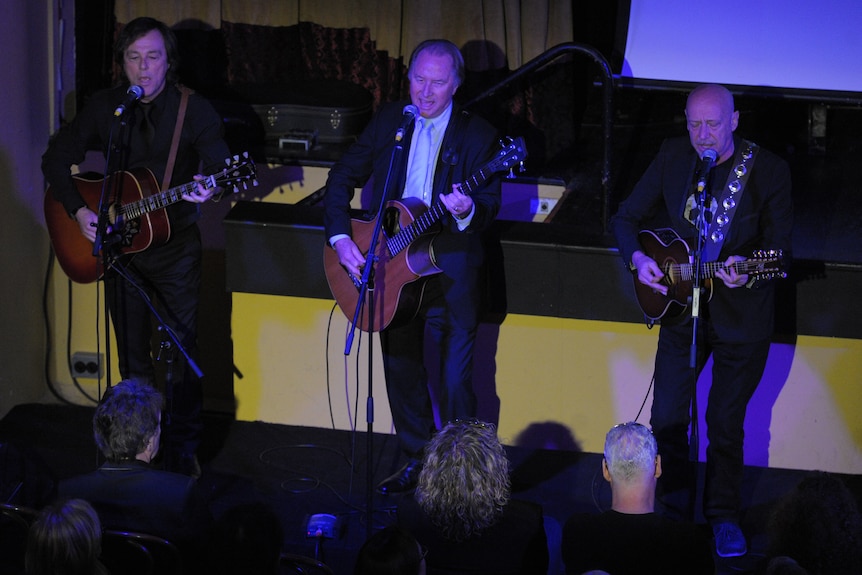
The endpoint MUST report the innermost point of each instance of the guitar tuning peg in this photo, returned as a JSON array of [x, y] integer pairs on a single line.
[[255, 183], [511, 174]]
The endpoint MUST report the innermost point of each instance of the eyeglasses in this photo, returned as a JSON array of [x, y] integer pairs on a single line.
[[633, 424], [474, 423]]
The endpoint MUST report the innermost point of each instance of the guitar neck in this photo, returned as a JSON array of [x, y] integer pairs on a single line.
[[709, 269], [433, 215], [162, 199]]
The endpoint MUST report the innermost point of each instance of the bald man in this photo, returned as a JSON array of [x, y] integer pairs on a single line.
[[745, 201]]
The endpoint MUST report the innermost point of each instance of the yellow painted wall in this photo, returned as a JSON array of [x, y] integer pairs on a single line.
[[578, 376]]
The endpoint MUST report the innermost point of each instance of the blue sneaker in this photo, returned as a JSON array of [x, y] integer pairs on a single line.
[[729, 539]]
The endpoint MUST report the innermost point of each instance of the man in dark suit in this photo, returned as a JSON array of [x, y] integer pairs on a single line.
[[446, 147], [126, 491], [746, 205]]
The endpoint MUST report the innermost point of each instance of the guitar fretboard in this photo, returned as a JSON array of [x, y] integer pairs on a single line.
[[767, 264], [513, 154]]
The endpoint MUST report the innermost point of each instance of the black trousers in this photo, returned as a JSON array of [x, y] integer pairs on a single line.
[[407, 359], [736, 372], [169, 276]]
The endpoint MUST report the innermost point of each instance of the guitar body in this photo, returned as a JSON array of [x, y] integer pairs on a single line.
[[399, 280], [75, 253], [135, 213], [670, 252]]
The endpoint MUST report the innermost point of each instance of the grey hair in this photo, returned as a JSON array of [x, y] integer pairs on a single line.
[[630, 451]]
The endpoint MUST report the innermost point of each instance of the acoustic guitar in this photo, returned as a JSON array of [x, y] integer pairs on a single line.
[[671, 253], [404, 254], [140, 222]]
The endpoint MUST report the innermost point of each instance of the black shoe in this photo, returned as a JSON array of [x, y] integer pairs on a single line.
[[403, 480]]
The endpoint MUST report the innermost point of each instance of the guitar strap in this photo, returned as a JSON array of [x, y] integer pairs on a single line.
[[178, 129], [730, 199]]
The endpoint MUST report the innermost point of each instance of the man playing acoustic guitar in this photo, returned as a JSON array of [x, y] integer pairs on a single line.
[[169, 273], [446, 147], [745, 204]]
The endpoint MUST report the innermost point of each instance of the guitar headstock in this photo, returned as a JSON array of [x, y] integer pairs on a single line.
[[512, 153], [766, 264], [239, 171]]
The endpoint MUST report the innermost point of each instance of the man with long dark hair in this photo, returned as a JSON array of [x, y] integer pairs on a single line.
[[169, 274]]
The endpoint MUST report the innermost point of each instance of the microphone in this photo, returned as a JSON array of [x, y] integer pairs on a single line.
[[707, 162], [133, 94], [409, 114]]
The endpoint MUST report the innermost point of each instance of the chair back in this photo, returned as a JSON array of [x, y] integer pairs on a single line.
[[133, 553], [15, 524]]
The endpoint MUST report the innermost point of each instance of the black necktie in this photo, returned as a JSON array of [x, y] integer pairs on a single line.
[[147, 127]]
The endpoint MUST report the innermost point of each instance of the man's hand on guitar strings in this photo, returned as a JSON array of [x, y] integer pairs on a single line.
[[649, 272], [87, 220], [728, 273], [350, 256]]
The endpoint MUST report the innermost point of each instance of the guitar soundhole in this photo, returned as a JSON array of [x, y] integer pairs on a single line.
[[670, 276], [391, 222]]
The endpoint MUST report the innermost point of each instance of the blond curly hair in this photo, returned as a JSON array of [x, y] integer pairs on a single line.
[[464, 483]]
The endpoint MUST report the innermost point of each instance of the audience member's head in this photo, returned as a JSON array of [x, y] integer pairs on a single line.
[[464, 483], [247, 538], [818, 524], [66, 539], [390, 551], [127, 422], [631, 465]]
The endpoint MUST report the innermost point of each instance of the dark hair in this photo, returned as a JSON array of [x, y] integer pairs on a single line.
[[390, 551], [819, 525], [66, 539], [126, 418], [439, 47], [139, 27]]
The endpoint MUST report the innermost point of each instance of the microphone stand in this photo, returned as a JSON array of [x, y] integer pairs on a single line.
[[103, 242], [696, 292], [365, 286]]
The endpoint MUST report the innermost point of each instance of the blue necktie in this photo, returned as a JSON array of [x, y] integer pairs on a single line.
[[421, 168]]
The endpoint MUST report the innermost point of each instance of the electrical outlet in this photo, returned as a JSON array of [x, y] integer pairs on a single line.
[[542, 206], [321, 525], [86, 364]]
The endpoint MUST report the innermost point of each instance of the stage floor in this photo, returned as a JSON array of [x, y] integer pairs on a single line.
[[302, 471]]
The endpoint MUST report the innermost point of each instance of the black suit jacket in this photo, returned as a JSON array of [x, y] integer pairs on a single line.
[[459, 254], [763, 220], [133, 496]]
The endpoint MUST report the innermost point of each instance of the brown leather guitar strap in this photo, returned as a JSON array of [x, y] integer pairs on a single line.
[[178, 129]]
